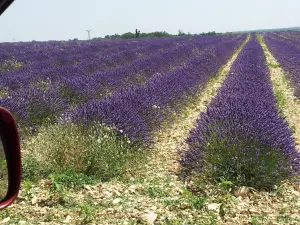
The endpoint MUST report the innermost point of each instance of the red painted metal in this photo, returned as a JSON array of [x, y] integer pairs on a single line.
[[11, 144]]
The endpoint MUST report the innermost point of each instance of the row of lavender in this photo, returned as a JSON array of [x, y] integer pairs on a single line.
[[86, 64], [139, 111], [37, 83], [66, 50], [286, 49], [291, 37], [60, 88], [137, 71], [241, 137], [42, 61]]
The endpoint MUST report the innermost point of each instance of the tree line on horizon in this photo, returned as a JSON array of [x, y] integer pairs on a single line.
[[138, 34]]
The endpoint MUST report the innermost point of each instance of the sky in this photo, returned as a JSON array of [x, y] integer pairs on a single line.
[[43, 20]]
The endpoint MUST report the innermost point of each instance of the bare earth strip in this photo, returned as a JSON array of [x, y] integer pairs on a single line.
[[152, 192], [169, 140], [289, 104], [159, 175]]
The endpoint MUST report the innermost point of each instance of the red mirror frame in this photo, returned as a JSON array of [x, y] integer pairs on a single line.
[[11, 145]]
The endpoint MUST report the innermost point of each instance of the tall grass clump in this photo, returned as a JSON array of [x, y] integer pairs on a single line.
[[241, 137], [9, 64], [94, 150]]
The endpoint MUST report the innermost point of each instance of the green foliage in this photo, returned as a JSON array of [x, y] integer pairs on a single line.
[[71, 179], [293, 128], [138, 34], [26, 186], [226, 185], [3, 92], [224, 160], [286, 219], [3, 173], [212, 219], [210, 33], [93, 150], [181, 33], [156, 34], [72, 96], [222, 211], [128, 35], [271, 65], [140, 79], [86, 212], [257, 220], [5, 213], [280, 99], [9, 64], [197, 202], [32, 170], [113, 36], [155, 191], [97, 38]]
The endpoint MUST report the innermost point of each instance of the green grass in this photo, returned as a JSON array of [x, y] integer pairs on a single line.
[[3, 172], [220, 162], [271, 65], [155, 191], [3, 178], [280, 99], [9, 65], [65, 150], [285, 219], [278, 92]]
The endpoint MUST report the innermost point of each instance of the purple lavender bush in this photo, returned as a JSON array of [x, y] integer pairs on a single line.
[[78, 72], [140, 111], [117, 99], [35, 106], [241, 137]]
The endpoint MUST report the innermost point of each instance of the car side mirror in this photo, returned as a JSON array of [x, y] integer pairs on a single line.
[[10, 159]]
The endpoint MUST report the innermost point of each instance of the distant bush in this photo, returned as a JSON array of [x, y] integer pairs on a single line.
[[181, 33], [210, 33], [97, 38], [128, 35], [140, 35], [113, 36]]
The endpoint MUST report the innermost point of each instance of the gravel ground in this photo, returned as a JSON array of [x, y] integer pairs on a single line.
[[155, 194], [291, 105]]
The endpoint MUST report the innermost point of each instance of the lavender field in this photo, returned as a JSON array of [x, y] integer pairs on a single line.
[[178, 123]]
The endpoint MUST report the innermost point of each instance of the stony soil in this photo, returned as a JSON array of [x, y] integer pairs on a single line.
[[155, 194], [290, 105]]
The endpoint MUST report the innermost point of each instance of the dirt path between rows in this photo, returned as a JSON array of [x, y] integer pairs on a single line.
[[169, 140], [290, 105], [154, 194]]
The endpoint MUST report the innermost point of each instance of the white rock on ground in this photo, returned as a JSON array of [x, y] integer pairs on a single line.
[[148, 217], [212, 206], [116, 201]]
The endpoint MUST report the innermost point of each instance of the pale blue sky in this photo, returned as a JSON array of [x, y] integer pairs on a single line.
[[43, 20]]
